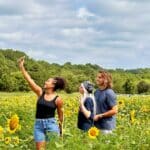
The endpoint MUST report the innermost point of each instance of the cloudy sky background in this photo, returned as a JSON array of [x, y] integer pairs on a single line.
[[110, 33]]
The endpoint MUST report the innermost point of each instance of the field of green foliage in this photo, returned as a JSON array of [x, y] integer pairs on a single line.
[[17, 114]]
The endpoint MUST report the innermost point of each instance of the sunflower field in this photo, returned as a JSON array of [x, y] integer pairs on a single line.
[[17, 115]]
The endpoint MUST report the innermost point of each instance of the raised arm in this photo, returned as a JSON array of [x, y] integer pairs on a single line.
[[59, 103], [37, 89]]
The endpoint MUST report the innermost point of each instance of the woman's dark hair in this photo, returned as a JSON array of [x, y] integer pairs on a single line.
[[59, 83]]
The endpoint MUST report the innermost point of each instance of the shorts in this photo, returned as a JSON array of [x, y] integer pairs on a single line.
[[44, 129]]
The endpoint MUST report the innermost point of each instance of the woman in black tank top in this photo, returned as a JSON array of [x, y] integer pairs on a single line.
[[48, 101]]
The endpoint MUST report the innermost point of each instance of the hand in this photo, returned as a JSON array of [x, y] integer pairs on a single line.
[[21, 61], [97, 117]]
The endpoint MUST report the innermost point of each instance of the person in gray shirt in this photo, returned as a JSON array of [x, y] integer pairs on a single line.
[[106, 105]]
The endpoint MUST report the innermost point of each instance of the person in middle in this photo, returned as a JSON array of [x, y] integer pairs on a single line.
[[87, 108]]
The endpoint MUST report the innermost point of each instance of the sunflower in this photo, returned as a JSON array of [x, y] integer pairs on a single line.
[[121, 103], [93, 132], [1, 137], [144, 109], [1, 133], [16, 140], [1, 130], [132, 116], [7, 140], [13, 124]]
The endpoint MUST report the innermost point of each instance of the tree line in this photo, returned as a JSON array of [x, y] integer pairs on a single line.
[[133, 81]]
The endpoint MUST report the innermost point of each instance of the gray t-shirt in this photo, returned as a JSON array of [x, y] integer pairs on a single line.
[[105, 100]]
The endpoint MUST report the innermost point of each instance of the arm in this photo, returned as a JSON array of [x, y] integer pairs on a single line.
[[60, 112], [111, 112], [86, 112], [37, 89], [112, 105], [87, 108]]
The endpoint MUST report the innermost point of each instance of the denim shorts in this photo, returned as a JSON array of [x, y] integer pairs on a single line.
[[44, 129]]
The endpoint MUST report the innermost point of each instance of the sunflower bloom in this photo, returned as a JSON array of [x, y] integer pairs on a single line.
[[13, 124], [1, 134], [93, 132], [1, 130], [1, 137], [132, 116], [16, 140], [121, 103], [144, 109], [7, 140]]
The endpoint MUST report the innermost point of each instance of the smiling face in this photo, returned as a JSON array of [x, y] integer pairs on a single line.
[[104, 80], [49, 84], [100, 79]]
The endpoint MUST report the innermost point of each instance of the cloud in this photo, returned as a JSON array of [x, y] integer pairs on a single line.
[[109, 33], [84, 13]]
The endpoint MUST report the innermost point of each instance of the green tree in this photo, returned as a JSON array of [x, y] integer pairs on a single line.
[[8, 83], [125, 81], [143, 87], [21, 83], [128, 86]]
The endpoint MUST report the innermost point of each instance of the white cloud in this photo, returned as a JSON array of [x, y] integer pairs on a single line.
[[40, 55], [83, 13], [110, 33]]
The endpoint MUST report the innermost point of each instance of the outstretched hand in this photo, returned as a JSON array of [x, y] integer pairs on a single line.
[[21, 61]]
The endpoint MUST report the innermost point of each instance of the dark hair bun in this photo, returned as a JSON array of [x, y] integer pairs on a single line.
[[60, 83]]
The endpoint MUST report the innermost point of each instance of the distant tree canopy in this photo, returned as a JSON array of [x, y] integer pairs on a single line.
[[128, 86], [143, 87], [11, 79]]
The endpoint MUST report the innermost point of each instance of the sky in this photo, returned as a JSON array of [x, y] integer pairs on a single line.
[[109, 33]]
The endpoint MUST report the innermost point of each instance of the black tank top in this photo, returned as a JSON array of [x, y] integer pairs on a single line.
[[45, 109]]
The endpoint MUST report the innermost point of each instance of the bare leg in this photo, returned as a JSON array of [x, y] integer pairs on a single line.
[[40, 145]]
